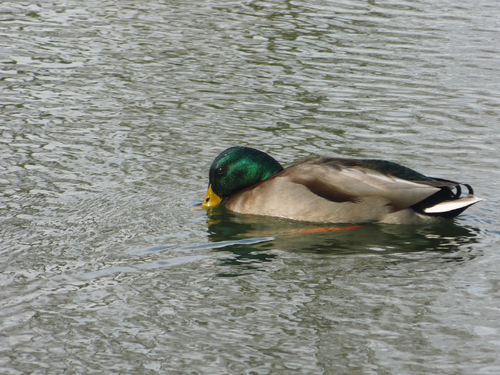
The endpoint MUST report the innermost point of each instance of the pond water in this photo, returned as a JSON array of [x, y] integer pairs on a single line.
[[111, 113]]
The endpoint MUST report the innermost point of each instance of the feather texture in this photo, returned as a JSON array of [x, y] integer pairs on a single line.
[[350, 191]]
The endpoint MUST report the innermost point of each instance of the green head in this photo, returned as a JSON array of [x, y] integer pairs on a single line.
[[235, 169]]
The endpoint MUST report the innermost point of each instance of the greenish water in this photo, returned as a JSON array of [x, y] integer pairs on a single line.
[[111, 113]]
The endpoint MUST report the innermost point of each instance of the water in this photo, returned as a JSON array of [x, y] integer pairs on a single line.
[[111, 115]]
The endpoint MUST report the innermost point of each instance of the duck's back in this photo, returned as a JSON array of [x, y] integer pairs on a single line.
[[339, 190]]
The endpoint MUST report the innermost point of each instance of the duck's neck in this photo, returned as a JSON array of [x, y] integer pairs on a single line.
[[255, 166]]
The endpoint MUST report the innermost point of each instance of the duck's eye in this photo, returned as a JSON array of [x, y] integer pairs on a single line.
[[221, 171]]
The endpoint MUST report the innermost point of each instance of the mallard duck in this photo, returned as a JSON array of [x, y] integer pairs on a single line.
[[332, 190]]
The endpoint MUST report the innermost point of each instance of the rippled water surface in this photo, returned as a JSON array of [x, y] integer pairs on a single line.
[[111, 113]]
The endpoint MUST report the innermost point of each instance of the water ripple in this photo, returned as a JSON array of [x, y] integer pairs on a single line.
[[111, 115]]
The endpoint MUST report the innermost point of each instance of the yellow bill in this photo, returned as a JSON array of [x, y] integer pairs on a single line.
[[211, 199]]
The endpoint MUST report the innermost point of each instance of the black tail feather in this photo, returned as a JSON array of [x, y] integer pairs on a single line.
[[445, 194]]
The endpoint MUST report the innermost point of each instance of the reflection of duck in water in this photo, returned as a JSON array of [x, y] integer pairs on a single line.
[[260, 234], [334, 190]]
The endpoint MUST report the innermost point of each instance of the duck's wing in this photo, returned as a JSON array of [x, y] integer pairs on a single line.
[[353, 180]]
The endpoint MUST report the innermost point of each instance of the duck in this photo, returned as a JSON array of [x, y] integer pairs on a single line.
[[332, 190]]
